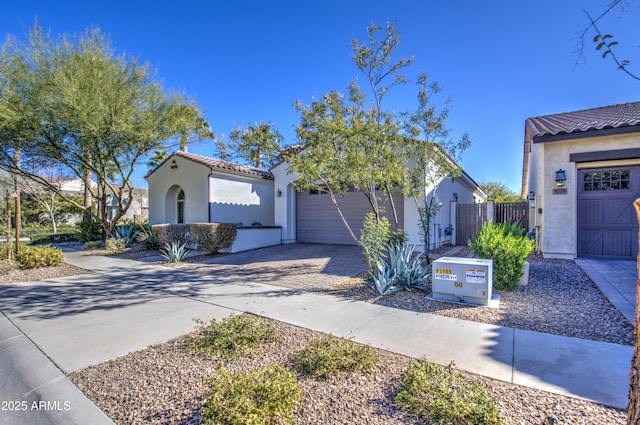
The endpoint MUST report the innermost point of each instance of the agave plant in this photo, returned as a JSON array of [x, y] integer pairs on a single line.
[[407, 267], [383, 281], [125, 233], [175, 252]]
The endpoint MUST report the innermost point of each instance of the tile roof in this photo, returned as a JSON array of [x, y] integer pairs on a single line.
[[605, 117], [226, 166], [217, 164]]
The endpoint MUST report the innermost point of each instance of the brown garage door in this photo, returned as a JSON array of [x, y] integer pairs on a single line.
[[319, 222], [607, 224]]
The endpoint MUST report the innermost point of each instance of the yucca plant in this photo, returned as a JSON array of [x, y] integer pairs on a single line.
[[175, 252], [383, 281], [125, 233], [407, 268]]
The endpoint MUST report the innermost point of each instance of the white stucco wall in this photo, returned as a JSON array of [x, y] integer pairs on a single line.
[[235, 199], [164, 185], [557, 224], [285, 204]]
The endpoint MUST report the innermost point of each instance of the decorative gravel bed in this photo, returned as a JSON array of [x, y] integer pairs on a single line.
[[559, 299], [166, 384]]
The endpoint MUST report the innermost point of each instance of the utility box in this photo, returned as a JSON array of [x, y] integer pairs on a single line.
[[463, 280]]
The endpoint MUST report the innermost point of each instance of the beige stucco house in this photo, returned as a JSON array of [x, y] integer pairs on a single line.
[[311, 217], [581, 174]]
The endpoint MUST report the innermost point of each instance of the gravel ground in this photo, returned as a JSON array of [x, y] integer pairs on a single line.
[[166, 383], [559, 299]]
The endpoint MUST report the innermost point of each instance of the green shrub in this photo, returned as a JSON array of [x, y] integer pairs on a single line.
[[442, 394], [261, 397], [214, 236], [30, 257], [233, 336], [330, 355], [148, 239], [514, 229], [115, 245], [90, 230], [508, 253], [374, 238]]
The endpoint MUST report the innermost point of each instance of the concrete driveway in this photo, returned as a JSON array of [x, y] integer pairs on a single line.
[[53, 327]]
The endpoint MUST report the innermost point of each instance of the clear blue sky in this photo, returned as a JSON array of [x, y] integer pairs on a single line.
[[248, 61]]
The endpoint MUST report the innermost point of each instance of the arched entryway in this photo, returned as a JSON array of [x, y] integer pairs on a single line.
[[175, 205]]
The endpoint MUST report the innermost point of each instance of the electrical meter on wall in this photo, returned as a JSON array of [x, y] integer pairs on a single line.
[[467, 280]]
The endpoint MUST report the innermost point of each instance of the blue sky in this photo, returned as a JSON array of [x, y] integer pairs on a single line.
[[248, 61]]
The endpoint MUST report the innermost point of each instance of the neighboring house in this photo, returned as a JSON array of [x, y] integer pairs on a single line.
[[138, 212], [189, 188], [311, 216], [581, 174]]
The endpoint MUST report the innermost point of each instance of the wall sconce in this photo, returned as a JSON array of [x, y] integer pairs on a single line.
[[561, 177], [455, 196], [174, 165], [531, 196], [279, 193]]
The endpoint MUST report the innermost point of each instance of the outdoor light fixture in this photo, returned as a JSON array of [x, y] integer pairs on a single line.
[[531, 196], [561, 177], [279, 193]]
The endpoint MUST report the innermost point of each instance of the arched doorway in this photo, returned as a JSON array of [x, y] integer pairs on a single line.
[[174, 205]]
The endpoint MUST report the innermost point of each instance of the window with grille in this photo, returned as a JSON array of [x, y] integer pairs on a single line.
[[607, 180]]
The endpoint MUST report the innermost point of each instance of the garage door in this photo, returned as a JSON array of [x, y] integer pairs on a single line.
[[607, 224], [319, 222]]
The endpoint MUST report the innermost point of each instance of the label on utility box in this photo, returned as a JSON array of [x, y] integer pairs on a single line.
[[476, 276], [445, 274]]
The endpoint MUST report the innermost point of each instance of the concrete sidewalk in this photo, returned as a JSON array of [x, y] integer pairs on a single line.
[[128, 305]]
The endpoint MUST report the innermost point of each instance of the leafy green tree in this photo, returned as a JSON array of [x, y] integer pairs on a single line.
[[73, 101], [434, 153], [258, 144], [354, 143], [499, 192]]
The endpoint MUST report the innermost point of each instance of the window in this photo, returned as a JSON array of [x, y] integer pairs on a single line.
[[181, 207], [606, 180]]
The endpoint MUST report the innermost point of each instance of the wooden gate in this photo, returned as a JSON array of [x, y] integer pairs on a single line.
[[512, 212], [469, 220], [471, 217]]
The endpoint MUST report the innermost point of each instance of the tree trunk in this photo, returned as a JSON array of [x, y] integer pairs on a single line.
[[87, 196], [633, 412]]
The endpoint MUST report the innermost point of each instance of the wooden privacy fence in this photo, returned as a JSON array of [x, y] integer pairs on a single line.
[[512, 212], [469, 220], [471, 217]]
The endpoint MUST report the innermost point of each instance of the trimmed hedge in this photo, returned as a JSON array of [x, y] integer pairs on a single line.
[[208, 236]]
